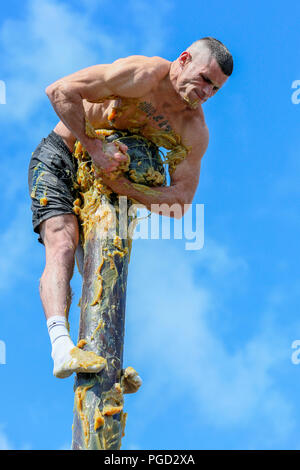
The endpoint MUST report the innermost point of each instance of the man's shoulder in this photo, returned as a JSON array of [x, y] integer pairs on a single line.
[[154, 64], [143, 59]]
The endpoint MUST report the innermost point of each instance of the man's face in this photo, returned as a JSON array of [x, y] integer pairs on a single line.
[[199, 78]]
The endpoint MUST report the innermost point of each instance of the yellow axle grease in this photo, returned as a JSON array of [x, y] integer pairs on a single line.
[[98, 419], [90, 210], [113, 401], [86, 359], [100, 325], [123, 422], [130, 380], [110, 410], [99, 282], [79, 400], [43, 201], [92, 188]]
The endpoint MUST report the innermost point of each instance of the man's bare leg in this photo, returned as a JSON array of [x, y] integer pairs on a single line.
[[60, 235]]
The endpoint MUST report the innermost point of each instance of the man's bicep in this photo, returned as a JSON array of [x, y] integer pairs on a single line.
[[186, 179], [186, 176]]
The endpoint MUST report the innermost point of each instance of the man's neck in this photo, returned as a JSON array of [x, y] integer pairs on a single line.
[[170, 99]]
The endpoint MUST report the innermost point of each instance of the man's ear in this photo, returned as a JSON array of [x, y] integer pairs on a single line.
[[184, 58]]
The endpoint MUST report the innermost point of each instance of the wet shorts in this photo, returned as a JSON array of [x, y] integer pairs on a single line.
[[51, 177]]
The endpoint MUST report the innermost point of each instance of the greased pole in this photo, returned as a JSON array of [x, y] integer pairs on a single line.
[[99, 418]]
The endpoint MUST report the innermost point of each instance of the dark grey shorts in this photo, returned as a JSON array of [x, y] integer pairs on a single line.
[[51, 176]]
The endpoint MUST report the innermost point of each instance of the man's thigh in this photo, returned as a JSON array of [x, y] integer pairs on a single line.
[[51, 178]]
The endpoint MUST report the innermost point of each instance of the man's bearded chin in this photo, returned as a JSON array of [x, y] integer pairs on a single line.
[[192, 104]]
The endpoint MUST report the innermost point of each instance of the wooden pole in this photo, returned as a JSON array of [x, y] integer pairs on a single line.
[[99, 419]]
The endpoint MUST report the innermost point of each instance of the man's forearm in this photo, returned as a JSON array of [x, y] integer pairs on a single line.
[[162, 200]]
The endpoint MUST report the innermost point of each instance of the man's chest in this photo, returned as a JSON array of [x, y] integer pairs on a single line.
[[147, 116], [134, 113]]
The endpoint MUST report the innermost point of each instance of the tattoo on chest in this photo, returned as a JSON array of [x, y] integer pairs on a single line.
[[151, 113]]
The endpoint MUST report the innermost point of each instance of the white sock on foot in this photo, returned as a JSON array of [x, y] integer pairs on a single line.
[[60, 340], [57, 328], [68, 358]]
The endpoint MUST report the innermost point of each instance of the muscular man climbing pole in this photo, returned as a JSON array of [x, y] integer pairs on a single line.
[[160, 100]]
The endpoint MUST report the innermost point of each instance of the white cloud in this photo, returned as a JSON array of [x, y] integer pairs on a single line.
[[41, 48], [66, 446], [17, 254], [54, 40], [5, 443], [217, 260], [169, 331]]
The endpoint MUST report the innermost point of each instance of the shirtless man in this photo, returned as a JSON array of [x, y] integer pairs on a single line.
[[174, 93]]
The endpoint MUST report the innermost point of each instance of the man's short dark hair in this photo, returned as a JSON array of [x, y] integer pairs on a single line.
[[219, 52]]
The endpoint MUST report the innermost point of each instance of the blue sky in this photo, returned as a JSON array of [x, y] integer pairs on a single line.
[[210, 331]]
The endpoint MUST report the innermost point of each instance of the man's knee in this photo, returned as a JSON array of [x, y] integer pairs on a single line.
[[60, 235]]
